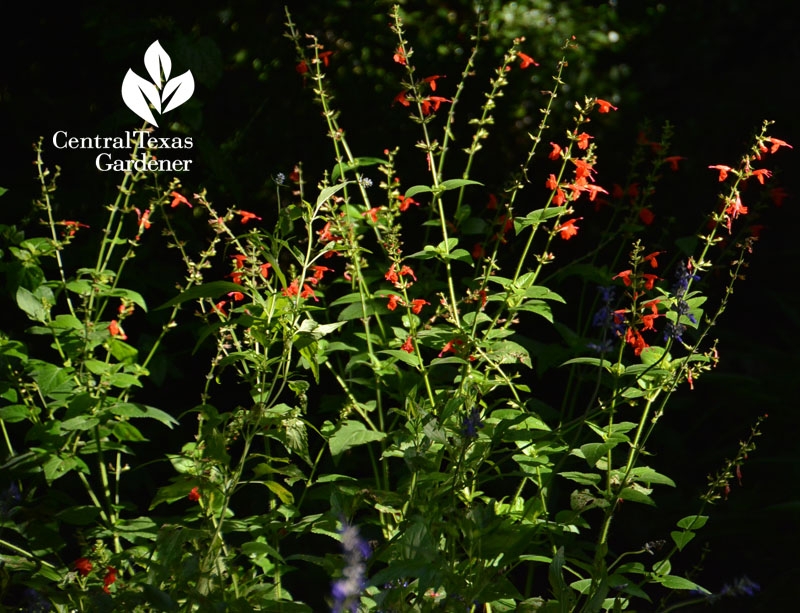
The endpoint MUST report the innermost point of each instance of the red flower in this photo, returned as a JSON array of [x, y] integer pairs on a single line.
[[417, 304], [625, 275], [392, 275], [405, 270], [111, 577], [583, 169], [760, 174], [302, 67], [194, 495], [673, 161], [373, 214], [593, 190], [236, 295], [777, 143], [568, 229], [295, 175], [652, 305], [407, 346], [647, 216], [649, 280], [177, 199], [736, 208], [240, 260], [264, 269], [648, 320], [583, 140], [324, 56], [617, 191], [652, 258], [393, 300], [634, 338], [247, 216], [236, 277], [604, 106], [432, 80], [527, 60], [633, 191], [406, 202], [723, 171], [325, 234], [292, 288], [477, 251], [74, 225], [399, 56], [778, 195], [492, 204], [319, 271], [83, 566], [218, 308], [432, 102], [307, 291], [552, 182], [143, 220], [449, 346], [116, 330], [482, 294], [556, 152], [402, 98], [560, 198]]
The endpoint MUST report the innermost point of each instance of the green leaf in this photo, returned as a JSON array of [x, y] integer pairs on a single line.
[[280, 491], [455, 183], [32, 305], [207, 290], [14, 413], [592, 452], [648, 475], [350, 434], [635, 495], [356, 163], [355, 311], [330, 191], [674, 582], [128, 294], [591, 361], [537, 217], [583, 478], [417, 189], [3, 190], [80, 422], [693, 522], [409, 358], [682, 538]]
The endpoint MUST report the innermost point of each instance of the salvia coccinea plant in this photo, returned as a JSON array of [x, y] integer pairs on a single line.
[[428, 374]]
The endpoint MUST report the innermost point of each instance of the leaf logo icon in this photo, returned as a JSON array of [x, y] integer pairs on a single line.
[[163, 93]]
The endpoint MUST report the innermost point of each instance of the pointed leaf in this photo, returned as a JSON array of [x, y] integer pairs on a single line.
[[157, 60], [136, 92], [183, 86]]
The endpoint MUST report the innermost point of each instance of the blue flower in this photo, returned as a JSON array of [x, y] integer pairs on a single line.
[[346, 591], [472, 423]]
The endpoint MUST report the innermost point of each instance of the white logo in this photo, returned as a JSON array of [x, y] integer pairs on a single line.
[[137, 92]]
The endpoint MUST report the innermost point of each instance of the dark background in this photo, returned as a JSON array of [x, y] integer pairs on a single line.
[[714, 69]]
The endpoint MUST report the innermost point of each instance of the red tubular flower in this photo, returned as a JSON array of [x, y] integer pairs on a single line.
[[560, 198], [218, 308], [432, 102], [264, 269], [402, 98], [325, 234], [492, 204], [556, 152], [292, 288], [482, 294], [417, 304], [432, 80], [324, 56], [143, 220], [527, 60], [673, 161], [583, 169], [194, 495], [116, 331], [247, 216], [648, 320], [405, 270], [625, 275], [449, 346], [568, 229], [391, 275], [604, 106], [406, 202], [552, 182], [652, 305], [593, 191], [583, 140], [399, 56], [236, 277], [649, 280], [736, 208], [373, 214], [777, 143], [761, 173], [319, 271], [634, 338], [723, 171], [178, 199], [307, 291], [295, 175], [617, 191], [111, 577], [240, 260], [647, 216], [477, 251], [302, 67], [408, 346], [236, 296], [393, 301], [83, 566], [652, 258]]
